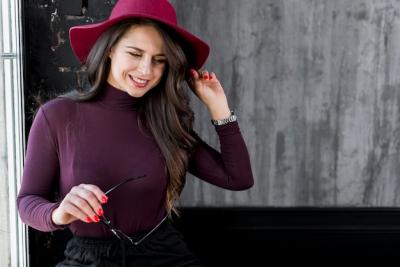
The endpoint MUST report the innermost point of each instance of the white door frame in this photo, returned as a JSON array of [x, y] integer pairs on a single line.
[[11, 79]]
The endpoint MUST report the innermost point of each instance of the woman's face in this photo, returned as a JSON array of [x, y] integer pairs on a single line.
[[138, 61]]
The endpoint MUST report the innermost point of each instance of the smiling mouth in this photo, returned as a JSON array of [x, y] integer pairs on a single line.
[[138, 82]]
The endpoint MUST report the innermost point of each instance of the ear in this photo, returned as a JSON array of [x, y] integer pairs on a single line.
[[111, 53]]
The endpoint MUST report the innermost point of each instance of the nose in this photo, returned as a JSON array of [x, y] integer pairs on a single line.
[[144, 67]]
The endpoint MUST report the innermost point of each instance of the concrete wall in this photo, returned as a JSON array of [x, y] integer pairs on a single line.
[[316, 86], [314, 83]]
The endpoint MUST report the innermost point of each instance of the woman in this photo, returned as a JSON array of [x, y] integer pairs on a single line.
[[119, 152]]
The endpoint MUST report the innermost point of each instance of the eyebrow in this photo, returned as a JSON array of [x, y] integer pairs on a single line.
[[141, 50]]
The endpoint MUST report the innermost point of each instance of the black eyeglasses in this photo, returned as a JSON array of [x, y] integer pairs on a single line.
[[118, 233]]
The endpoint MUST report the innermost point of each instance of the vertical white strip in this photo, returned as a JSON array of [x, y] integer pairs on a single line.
[[11, 29], [22, 230], [10, 130], [5, 17]]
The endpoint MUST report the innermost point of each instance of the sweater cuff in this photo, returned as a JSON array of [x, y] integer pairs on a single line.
[[228, 129]]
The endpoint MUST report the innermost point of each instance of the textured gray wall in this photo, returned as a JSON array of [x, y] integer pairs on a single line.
[[316, 87]]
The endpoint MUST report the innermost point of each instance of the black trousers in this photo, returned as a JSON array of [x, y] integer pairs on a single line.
[[164, 247]]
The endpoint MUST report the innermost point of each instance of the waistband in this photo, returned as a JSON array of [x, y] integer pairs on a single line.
[[109, 246], [106, 242]]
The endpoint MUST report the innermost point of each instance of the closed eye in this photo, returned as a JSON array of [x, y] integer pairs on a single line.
[[160, 61], [134, 54], [155, 61]]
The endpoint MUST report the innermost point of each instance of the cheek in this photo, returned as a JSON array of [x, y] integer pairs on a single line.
[[114, 72], [124, 71], [125, 64], [117, 66], [159, 72]]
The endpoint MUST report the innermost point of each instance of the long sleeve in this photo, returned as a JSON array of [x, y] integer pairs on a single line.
[[100, 142], [230, 168], [40, 174]]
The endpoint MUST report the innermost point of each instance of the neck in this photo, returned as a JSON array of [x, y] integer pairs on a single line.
[[117, 99]]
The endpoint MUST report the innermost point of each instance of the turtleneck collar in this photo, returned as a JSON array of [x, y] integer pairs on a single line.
[[116, 99]]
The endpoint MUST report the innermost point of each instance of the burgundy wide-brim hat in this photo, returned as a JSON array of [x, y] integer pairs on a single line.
[[82, 38]]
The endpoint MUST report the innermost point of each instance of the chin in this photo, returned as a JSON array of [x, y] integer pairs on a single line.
[[135, 92]]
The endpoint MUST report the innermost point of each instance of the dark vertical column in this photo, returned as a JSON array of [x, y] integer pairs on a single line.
[[51, 69]]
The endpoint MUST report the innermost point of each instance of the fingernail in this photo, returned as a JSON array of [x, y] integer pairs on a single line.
[[88, 219], [100, 212], [192, 71], [104, 199], [210, 77], [96, 218], [206, 77]]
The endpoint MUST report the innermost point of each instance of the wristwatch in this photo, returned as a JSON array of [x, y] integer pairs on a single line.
[[231, 118]]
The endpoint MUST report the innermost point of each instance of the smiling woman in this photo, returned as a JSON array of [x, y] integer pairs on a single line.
[[133, 121], [137, 60]]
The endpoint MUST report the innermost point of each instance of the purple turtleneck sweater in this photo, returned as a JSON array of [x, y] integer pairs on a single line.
[[99, 142]]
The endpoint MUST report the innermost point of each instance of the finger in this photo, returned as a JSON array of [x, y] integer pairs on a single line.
[[194, 74], [213, 76], [76, 211], [79, 197], [85, 192], [100, 195], [205, 75]]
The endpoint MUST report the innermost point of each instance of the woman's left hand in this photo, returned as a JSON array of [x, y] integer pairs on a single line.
[[206, 86]]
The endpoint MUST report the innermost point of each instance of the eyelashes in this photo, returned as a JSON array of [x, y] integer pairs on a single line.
[[157, 61]]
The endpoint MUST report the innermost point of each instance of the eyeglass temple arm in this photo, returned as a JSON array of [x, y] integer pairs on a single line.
[[107, 223], [123, 182]]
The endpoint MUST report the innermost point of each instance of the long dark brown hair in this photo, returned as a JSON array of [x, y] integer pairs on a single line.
[[165, 109]]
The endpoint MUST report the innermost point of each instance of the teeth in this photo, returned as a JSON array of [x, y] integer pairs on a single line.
[[139, 80]]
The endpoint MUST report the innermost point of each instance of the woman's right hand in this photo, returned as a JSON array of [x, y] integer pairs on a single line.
[[83, 203]]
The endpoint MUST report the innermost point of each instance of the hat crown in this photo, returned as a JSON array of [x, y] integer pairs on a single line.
[[159, 9], [83, 37]]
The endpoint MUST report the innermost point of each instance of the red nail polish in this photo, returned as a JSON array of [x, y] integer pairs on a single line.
[[100, 212], [104, 199], [96, 218], [192, 71], [206, 77], [210, 77], [88, 219]]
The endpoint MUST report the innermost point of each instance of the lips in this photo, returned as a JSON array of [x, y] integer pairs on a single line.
[[140, 83]]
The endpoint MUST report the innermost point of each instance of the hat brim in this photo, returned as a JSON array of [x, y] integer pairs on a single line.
[[82, 38]]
